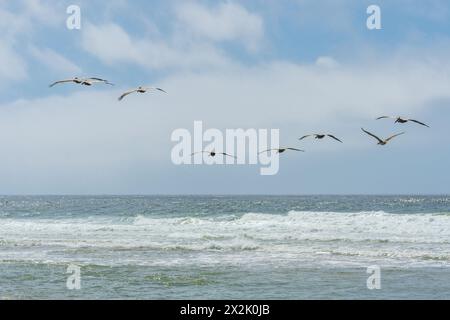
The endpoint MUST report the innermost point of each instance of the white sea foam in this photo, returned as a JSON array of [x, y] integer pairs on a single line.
[[331, 237]]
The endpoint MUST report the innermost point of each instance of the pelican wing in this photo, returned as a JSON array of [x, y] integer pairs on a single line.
[[61, 81], [294, 149], [100, 80], [395, 135], [308, 135], [385, 117], [199, 152], [126, 93], [333, 137], [421, 123], [154, 88], [229, 155], [371, 134], [268, 150], [160, 90], [97, 79]]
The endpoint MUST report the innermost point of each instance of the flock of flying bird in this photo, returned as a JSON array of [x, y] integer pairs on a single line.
[[213, 153], [91, 81], [381, 142]]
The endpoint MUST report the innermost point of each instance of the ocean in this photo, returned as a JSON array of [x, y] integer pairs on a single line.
[[224, 247]]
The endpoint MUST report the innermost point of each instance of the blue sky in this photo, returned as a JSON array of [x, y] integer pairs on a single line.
[[300, 66]]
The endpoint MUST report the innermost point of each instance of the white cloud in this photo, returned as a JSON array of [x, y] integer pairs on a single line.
[[326, 62], [12, 67], [43, 12], [111, 44], [54, 61], [191, 45], [68, 142], [88, 142], [15, 26], [226, 22], [309, 96], [30, 15]]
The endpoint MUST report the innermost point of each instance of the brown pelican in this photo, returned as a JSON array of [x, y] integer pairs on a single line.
[[140, 90], [281, 150], [82, 81], [214, 153], [382, 142], [74, 80], [90, 81], [402, 120], [320, 136]]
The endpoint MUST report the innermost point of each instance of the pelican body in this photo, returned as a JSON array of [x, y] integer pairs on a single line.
[[382, 142], [139, 89], [281, 150], [403, 120], [320, 136], [83, 82], [213, 153]]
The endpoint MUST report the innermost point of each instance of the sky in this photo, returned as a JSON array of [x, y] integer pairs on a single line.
[[300, 66]]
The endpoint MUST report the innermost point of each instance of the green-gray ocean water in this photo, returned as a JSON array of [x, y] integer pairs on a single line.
[[225, 247]]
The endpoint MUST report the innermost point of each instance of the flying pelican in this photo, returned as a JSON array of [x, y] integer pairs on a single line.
[[382, 142], [140, 90], [90, 81], [320, 136], [214, 153], [82, 81], [281, 150], [74, 80], [402, 120]]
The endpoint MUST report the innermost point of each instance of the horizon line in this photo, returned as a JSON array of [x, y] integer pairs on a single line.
[[217, 194]]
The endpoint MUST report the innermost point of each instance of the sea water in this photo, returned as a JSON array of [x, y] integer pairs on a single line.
[[225, 247]]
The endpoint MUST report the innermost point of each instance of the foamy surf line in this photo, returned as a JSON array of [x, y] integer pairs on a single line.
[[432, 227], [337, 237]]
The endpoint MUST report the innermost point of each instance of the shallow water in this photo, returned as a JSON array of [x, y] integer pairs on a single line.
[[199, 247]]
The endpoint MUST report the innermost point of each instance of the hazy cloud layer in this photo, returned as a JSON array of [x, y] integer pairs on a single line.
[[219, 62], [227, 21]]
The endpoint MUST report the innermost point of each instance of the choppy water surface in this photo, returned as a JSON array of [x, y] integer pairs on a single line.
[[279, 247]]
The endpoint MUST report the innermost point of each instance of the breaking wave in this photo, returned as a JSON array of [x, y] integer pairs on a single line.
[[293, 236]]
